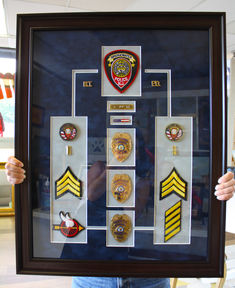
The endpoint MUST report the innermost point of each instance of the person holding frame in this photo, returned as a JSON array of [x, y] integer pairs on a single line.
[[224, 191]]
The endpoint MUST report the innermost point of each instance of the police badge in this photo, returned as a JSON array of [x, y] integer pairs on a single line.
[[121, 227], [121, 187], [121, 145], [121, 68]]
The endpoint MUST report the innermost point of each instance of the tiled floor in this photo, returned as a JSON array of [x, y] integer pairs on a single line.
[[9, 279]]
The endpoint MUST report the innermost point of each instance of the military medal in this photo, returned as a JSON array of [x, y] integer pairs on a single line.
[[121, 187], [68, 132], [121, 68], [174, 133], [68, 227], [121, 227], [121, 145]]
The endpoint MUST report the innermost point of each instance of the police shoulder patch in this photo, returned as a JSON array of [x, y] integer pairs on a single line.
[[121, 68]]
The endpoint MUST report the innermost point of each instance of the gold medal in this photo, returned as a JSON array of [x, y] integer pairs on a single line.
[[121, 227], [121, 145], [121, 187]]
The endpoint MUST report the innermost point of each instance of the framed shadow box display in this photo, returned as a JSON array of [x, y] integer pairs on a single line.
[[122, 166]]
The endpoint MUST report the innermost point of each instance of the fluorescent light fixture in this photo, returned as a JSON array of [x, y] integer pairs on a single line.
[[3, 28]]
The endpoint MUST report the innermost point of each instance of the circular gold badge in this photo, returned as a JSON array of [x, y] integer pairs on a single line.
[[121, 227]]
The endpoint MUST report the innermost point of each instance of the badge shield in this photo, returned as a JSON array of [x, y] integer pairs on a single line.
[[121, 145]]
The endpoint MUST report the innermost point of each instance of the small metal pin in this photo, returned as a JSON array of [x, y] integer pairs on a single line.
[[68, 150], [174, 151]]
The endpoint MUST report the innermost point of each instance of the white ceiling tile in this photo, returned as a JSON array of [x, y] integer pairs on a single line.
[[14, 7]]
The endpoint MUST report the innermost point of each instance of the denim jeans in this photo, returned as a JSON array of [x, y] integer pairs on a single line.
[[109, 282]]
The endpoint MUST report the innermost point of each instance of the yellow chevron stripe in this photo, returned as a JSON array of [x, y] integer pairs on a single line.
[[178, 204], [67, 175], [173, 182], [168, 224], [172, 234], [175, 189], [71, 189], [172, 227], [172, 215], [172, 176], [68, 181]]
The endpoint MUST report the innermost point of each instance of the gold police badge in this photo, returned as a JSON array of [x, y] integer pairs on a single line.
[[121, 227], [121, 187], [121, 145]]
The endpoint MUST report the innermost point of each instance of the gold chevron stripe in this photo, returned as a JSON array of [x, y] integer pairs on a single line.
[[177, 224], [172, 221], [70, 189], [172, 215], [68, 181], [178, 204], [175, 189], [173, 182], [172, 176], [67, 175], [172, 234], [168, 224]]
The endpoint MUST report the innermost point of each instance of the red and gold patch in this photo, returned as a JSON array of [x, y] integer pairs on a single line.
[[121, 68], [68, 132]]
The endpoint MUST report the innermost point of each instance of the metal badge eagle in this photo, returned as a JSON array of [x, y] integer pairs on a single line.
[[121, 68], [121, 187], [121, 146], [68, 132], [68, 227], [121, 227]]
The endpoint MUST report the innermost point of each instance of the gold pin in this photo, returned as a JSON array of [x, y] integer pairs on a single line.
[[174, 151], [68, 150]]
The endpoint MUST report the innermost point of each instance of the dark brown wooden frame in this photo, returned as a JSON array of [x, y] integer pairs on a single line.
[[215, 24]]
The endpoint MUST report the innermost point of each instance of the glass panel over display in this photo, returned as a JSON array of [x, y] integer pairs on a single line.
[[118, 144], [123, 143]]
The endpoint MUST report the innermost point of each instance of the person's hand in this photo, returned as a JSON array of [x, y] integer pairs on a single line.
[[225, 187], [15, 172]]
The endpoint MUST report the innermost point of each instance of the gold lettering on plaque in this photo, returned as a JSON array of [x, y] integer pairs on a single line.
[[155, 83], [121, 106], [87, 84]]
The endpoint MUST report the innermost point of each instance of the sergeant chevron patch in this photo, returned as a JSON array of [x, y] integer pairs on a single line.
[[68, 183], [172, 221], [173, 183]]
